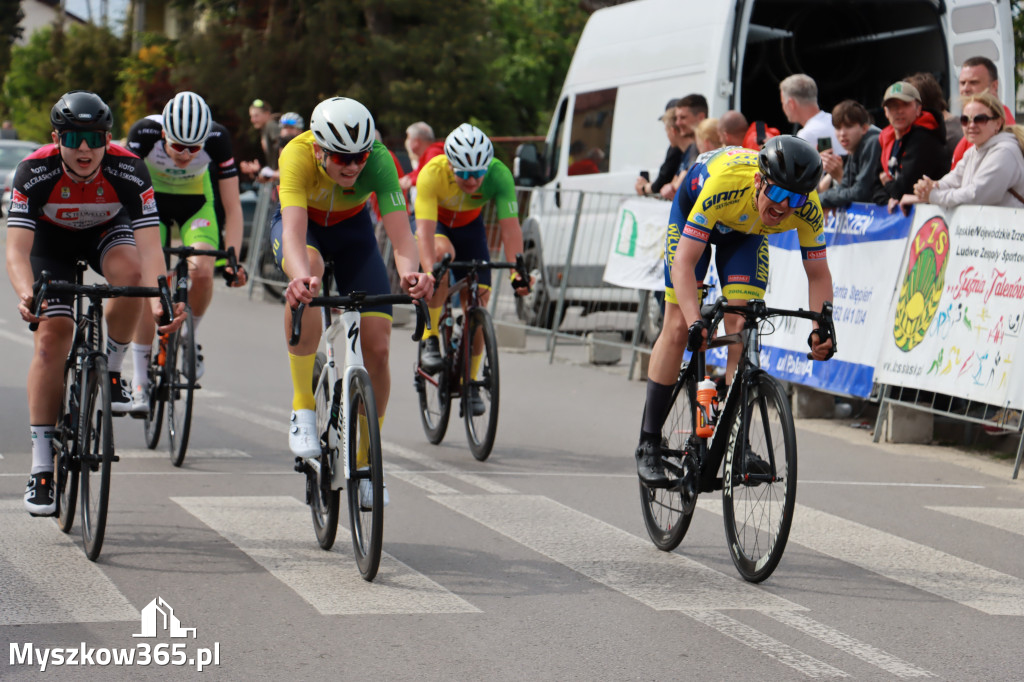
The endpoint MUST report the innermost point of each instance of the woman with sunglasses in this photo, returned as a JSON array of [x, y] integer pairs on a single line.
[[732, 198], [992, 170], [80, 197], [450, 192], [190, 159], [327, 176]]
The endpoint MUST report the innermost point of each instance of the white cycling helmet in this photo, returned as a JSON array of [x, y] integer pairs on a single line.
[[187, 119], [342, 125], [468, 148]]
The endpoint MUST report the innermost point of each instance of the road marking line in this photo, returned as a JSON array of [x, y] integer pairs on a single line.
[[246, 415], [1010, 520], [47, 578], [24, 339], [905, 561], [161, 453], [435, 467], [849, 645], [275, 533], [893, 484], [424, 483], [758, 641]]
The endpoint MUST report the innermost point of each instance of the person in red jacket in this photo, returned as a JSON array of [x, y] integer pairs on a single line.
[[913, 144], [422, 147], [735, 131]]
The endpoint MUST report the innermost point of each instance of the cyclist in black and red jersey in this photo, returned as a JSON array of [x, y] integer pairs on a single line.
[[80, 197]]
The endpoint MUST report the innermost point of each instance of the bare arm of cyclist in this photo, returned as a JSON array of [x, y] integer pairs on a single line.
[[303, 285], [819, 287], [416, 284], [19, 269], [231, 199], [147, 240]]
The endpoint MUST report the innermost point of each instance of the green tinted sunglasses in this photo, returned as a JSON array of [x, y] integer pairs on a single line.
[[73, 138]]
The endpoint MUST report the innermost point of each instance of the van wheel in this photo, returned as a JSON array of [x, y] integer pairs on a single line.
[[536, 309], [652, 316]]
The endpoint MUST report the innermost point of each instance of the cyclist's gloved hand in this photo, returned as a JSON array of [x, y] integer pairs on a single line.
[[697, 335], [824, 336]]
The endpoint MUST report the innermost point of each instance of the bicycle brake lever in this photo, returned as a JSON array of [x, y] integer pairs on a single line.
[[422, 319], [165, 301], [296, 324], [38, 297]]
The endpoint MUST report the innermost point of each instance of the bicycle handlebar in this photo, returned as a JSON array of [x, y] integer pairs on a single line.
[[757, 309], [357, 300], [44, 285], [229, 254], [446, 263]]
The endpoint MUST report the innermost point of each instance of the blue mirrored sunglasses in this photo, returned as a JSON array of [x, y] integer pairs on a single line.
[[778, 195], [73, 138], [470, 174]]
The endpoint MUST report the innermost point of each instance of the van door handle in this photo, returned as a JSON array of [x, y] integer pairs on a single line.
[[558, 195]]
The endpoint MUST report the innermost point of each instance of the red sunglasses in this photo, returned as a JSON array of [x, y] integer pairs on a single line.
[[344, 158], [180, 148]]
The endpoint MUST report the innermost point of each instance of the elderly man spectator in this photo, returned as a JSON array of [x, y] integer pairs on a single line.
[[645, 186], [422, 147], [799, 96], [262, 119], [992, 170], [913, 144], [736, 132], [857, 178], [978, 75]]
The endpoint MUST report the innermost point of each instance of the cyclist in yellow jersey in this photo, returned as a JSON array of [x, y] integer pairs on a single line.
[[327, 175], [450, 193], [731, 198]]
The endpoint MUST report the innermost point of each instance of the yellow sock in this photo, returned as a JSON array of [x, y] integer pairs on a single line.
[[435, 319], [474, 365], [302, 381], [363, 444]]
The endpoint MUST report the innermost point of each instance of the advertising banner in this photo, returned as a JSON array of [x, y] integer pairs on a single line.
[[638, 247], [954, 326]]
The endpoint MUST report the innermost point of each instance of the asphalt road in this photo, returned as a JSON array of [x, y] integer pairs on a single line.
[[904, 561]]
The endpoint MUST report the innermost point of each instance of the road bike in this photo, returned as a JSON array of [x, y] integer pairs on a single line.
[[345, 413], [753, 446], [460, 337], [83, 443], [172, 370]]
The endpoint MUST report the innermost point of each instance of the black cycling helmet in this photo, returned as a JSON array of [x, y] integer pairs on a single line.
[[81, 110], [790, 163]]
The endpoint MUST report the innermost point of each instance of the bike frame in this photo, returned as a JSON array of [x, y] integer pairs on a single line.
[[347, 320]]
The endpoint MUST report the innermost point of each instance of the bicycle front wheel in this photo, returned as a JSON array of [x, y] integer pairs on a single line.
[[96, 452], [158, 387], [181, 354], [480, 392], [65, 466], [366, 482], [324, 502], [758, 508], [666, 515]]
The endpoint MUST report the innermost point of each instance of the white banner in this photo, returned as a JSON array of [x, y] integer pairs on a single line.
[[638, 248], [955, 321]]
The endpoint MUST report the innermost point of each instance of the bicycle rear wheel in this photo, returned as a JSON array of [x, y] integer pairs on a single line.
[[181, 354], [666, 515], [324, 502], [154, 419], [758, 512], [480, 395], [434, 391], [65, 466], [366, 520], [96, 453]]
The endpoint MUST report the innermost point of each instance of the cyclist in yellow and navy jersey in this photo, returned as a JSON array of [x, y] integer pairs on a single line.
[[731, 198], [451, 190], [327, 175]]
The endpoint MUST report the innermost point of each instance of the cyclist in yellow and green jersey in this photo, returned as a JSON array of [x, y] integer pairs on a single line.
[[731, 198], [327, 175], [450, 192]]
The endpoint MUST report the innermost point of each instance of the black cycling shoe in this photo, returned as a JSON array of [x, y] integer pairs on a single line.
[[120, 396], [39, 499], [754, 463], [476, 403], [430, 355], [649, 466]]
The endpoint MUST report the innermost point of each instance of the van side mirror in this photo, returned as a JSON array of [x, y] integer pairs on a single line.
[[526, 169]]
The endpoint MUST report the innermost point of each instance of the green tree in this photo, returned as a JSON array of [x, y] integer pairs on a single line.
[[10, 31]]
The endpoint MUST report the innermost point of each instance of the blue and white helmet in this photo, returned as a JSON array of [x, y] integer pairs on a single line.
[[342, 125], [187, 119], [468, 148]]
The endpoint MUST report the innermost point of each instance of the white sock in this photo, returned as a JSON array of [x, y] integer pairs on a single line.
[[141, 354], [196, 319], [42, 455], [115, 354]]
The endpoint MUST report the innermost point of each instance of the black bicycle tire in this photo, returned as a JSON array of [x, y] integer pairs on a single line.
[[182, 372], [323, 506], [95, 448], [489, 384], [663, 510], [65, 470], [738, 498], [152, 425], [434, 392], [366, 542]]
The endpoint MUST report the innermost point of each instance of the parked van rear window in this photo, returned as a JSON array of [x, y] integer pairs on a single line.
[[590, 146]]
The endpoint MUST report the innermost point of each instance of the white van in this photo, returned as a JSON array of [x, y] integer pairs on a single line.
[[634, 57]]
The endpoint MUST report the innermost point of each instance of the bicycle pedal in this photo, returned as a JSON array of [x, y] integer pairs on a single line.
[[115, 458], [301, 465]]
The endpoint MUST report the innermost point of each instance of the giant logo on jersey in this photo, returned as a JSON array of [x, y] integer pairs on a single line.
[[727, 197]]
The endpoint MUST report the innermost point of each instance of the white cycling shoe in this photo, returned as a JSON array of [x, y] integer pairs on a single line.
[[302, 434], [366, 493]]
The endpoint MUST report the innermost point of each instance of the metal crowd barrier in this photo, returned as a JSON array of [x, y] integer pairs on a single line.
[[260, 262]]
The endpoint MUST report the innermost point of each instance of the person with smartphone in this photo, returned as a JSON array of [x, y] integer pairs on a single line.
[[644, 186], [856, 179]]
